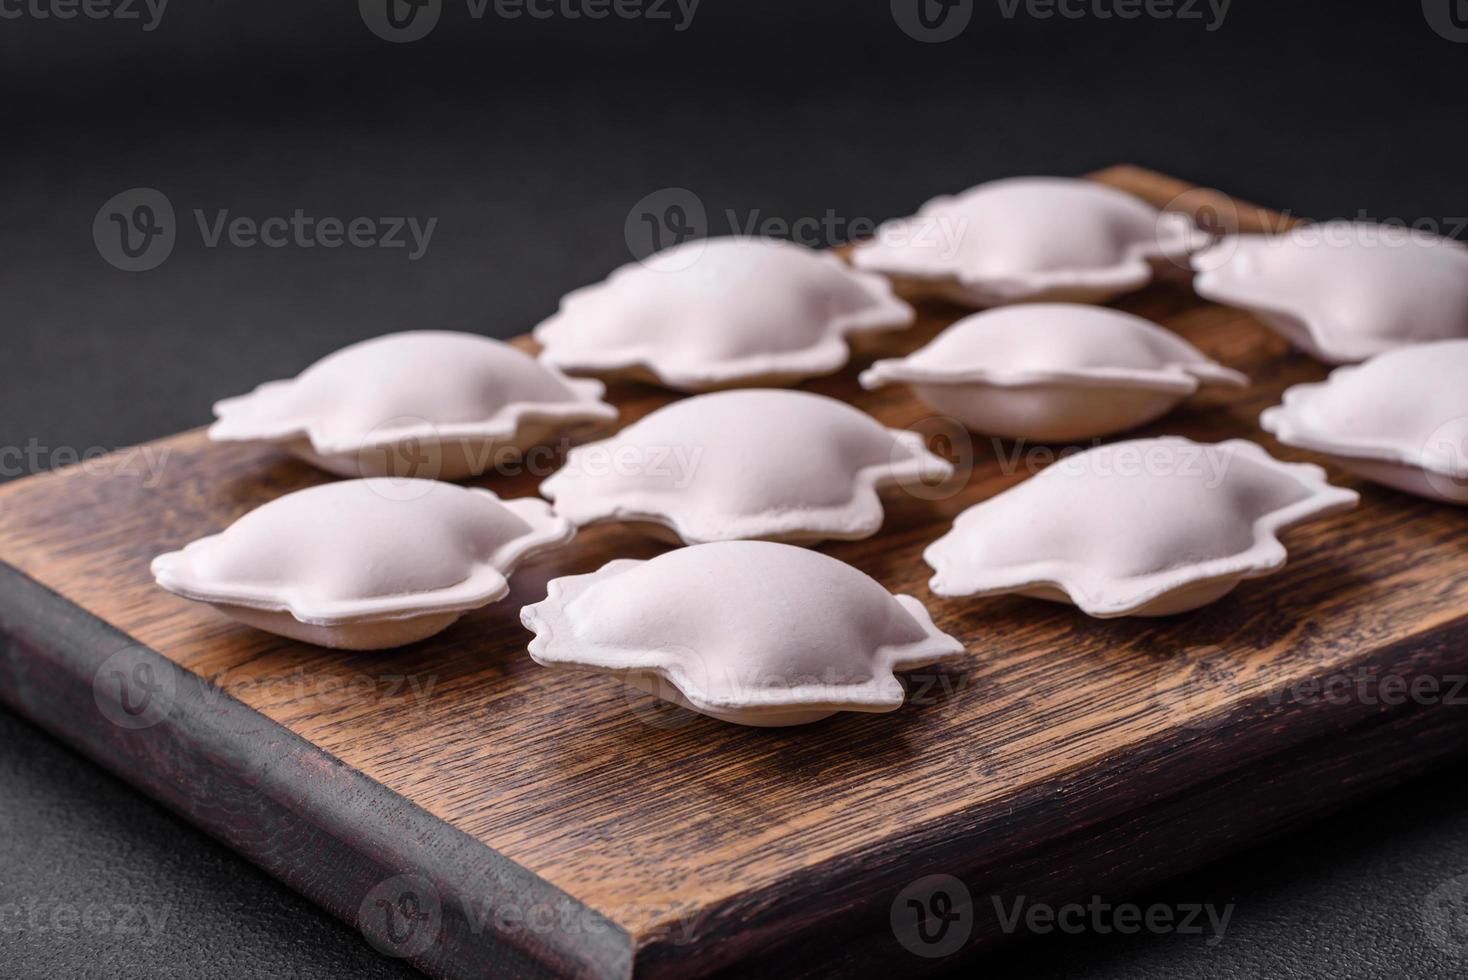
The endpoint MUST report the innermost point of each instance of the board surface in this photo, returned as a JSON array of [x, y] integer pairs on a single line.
[[565, 824]]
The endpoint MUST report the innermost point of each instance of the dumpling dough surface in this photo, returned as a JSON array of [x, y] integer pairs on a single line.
[[1029, 239], [718, 313], [784, 465], [747, 631], [341, 563], [1400, 418], [1053, 371], [1147, 527], [457, 396], [1343, 291]]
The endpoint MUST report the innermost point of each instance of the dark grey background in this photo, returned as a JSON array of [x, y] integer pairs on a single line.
[[530, 141]]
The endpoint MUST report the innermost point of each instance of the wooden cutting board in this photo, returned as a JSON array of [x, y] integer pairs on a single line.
[[481, 815]]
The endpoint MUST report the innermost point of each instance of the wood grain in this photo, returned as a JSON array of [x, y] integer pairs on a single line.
[[1124, 749]]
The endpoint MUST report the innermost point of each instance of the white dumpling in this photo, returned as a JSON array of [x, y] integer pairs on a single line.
[[1149, 527], [749, 632], [364, 564], [1343, 291], [1030, 238], [1401, 419], [1053, 371], [420, 403], [778, 465], [718, 313]]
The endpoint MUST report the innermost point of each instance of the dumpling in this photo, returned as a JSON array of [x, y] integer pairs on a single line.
[[1054, 372], [1343, 291], [749, 632], [1027, 239], [779, 465], [1149, 527], [720, 313], [1401, 419], [364, 564], [424, 403]]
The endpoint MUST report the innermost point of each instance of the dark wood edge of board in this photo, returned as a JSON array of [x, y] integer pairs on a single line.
[[415, 887], [1309, 752], [348, 843]]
